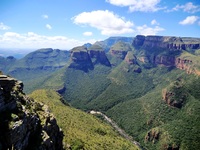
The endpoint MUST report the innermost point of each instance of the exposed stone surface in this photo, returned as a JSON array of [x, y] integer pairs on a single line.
[[130, 58], [24, 123], [118, 53], [152, 135], [99, 57], [167, 51], [120, 49], [80, 59], [168, 42], [85, 59], [175, 95]]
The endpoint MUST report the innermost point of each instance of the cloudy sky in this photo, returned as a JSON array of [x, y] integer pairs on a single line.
[[63, 24]]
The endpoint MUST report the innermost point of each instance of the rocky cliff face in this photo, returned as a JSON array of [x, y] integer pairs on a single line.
[[120, 50], [168, 42], [85, 58], [175, 95], [168, 51], [24, 123]]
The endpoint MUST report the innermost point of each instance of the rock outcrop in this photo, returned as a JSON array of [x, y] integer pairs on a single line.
[[80, 59], [86, 58], [175, 95], [97, 55], [120, 50], [168, 51], [152, 135], [167, 42], [24, 123]]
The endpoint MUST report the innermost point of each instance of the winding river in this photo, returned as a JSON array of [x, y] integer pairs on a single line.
[[116, 127]]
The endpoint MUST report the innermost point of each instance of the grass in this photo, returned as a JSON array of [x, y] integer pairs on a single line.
[[81, 130]]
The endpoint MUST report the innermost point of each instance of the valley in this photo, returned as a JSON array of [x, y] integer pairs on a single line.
[[148, 85]]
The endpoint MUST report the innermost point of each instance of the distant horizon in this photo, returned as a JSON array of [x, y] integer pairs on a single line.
[[65, 24], [19, 53]]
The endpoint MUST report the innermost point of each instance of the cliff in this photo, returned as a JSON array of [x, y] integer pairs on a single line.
[[169, 51], [167, 42], [85, 59], [175, 95], [120, 49], [24, 123]]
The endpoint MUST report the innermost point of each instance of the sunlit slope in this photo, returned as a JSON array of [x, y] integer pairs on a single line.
[[81, 130]]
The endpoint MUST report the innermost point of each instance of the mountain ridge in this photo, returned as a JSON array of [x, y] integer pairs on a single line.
[[142, 89]]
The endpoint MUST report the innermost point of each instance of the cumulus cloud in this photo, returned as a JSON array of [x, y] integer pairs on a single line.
[[105, 21], [32, 40], [48, 26], [154, 22], [188, 7], [137, 5], [189, 20], [87, 33], [3, 26], [45, 16], [145, 30]]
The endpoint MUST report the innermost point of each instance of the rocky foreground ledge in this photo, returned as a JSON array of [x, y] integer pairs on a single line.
[[24, 123]]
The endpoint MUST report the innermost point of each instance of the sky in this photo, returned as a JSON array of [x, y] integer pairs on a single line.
[[64, 24]]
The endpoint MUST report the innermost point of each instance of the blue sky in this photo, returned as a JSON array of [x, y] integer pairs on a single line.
[[64, 24]]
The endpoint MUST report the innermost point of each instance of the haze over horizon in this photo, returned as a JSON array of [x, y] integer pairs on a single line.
[[63, 24]]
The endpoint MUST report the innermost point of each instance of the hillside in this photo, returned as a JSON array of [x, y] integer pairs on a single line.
[[35, 66], [81, 130], [22, 120], [150, 87]]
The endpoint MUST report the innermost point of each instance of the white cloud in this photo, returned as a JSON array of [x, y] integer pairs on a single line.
[[154, 22], [188, 7], [189, 20], [145, 30], [45, 16], [105, 21], [3, 26], [32, 40], [48, 26], [138, 5], [87, 33]]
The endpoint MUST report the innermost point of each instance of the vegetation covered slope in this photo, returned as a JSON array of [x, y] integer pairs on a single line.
[[166, 117], [81, 130], [138, 87]]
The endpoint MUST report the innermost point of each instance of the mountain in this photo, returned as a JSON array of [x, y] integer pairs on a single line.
[[24, 123], [35, 66], [6, 63], [106, 44], [149, 87]]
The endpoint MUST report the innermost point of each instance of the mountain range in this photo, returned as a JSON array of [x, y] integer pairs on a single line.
[[149, 85]]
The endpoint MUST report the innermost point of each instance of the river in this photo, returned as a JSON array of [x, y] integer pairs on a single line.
[[117, 128]]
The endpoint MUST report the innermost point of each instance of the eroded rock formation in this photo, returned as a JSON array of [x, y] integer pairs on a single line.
[[24, 123], [85, 59]]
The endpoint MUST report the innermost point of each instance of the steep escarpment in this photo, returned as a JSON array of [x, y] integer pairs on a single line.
[[120, 49], [80, 59], [168, 51], [85, 59], [24, 123], [167, 42], [98, 55]]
